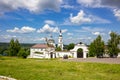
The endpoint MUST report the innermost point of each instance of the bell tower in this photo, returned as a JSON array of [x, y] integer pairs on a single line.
[[60, 40]]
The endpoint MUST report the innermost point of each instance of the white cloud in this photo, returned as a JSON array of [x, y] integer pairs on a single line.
[[24, 29], [34, 6], [47, 29], [96, 33], [39, 39], [83, 18], [66, 6], [49, 22], [109, 32], [100, 3], [7, 37], [67, 22], [89, 3], [112, 4], [117, 13], [80, 18], [64, 30], [96, 19], [91, 29], [69, 34]]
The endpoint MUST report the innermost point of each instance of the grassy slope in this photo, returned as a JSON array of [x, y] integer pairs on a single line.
[[36, 69]]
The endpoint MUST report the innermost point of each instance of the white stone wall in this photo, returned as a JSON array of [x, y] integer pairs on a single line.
[[84, 47], [61, 54], [118, 54], [35, 55], [58, 54], [46, 53]]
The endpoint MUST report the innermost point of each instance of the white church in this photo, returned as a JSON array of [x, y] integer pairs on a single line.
[[47, 50]]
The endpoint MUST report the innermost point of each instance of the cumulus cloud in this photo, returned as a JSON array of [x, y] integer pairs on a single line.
[[100, 3], [34, 6], [112, 4], [47, 29], [64, 30], [80, 18], [117, 13], [24, 29], [49, 22]]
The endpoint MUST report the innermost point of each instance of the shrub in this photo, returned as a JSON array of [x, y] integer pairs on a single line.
[[65, 57], [22, 53]]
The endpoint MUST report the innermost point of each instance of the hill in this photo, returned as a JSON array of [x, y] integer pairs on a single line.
[[25, 45]]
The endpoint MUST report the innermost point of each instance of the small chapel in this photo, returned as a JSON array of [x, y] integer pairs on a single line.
[[47, 50]]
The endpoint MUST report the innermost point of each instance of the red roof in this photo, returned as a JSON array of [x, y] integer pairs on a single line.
[[40, 46]]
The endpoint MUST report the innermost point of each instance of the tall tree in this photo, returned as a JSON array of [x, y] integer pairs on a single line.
[[58, 49], [113, 44], [100, 46], [11, 48], [14, 47], [91, 48], [70, 46], [97, 47]]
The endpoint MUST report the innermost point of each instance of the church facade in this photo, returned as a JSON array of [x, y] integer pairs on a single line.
[[47, 50]]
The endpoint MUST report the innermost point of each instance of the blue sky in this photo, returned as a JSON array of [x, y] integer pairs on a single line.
[[30, 21]]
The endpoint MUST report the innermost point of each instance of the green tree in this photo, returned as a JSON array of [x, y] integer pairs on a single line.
[[91, 48], [11, 48], [17, 47], [113, 44], [22, 53], [2, 50], [58, 49], [14, 47], [97, 47], [70, 46]]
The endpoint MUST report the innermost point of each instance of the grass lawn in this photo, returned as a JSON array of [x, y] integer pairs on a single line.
[[37, 69]]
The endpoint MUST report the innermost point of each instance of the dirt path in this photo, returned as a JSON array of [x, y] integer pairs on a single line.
[[6, 78], [98, 60]]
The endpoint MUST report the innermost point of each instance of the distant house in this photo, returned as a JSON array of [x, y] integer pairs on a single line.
[[42, 51]]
